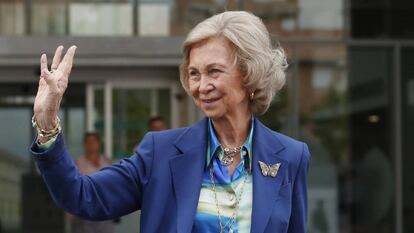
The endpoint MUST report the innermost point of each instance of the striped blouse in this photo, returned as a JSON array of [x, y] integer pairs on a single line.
[[228, 188]]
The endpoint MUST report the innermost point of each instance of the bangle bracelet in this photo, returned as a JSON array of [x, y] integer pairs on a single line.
[[47, 133]]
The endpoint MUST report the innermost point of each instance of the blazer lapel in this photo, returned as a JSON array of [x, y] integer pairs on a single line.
[[187, 172], [265, 188]]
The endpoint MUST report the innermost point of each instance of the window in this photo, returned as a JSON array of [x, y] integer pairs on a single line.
[[100, 19], [11, 17]]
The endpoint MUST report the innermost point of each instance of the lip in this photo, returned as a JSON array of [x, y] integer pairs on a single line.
[[210, 100]]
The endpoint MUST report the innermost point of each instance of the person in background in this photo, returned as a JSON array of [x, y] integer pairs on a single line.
[[91, 162], [156, 123]]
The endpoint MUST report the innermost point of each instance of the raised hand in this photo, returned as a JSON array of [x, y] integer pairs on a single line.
[[52, 86]]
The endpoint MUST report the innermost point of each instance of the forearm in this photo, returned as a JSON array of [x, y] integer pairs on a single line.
[[107, 194], [62, 177]]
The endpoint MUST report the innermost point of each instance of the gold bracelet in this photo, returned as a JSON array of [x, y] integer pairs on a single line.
[[47, 133]]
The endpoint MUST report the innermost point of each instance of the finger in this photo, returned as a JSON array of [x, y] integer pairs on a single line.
[[43, 63], [66, 65], [57, 58], [42, 85], [46, 75]]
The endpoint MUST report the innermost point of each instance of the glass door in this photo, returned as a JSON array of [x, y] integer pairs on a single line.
[[407, 111], [119, 112]]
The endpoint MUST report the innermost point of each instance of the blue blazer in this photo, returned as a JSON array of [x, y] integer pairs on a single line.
[[163, 179]]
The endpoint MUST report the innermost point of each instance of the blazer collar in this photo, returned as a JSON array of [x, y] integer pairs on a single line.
[[193, 136], [266, 148], [214, 144], [187, 170]]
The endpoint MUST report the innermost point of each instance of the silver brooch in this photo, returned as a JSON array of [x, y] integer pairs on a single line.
[[269, 170]]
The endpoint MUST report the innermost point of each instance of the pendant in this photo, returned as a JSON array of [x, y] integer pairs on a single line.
[[227, 160]]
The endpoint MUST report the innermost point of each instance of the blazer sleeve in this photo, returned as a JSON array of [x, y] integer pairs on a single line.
[[113, 191], [298, 218]]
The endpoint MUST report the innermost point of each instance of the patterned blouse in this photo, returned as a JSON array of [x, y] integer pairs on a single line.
[[230, 193]]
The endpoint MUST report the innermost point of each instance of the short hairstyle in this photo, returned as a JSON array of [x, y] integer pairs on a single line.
[[91, 134], [262, 66]]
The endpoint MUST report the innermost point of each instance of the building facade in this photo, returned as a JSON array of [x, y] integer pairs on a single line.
[[349, 92]]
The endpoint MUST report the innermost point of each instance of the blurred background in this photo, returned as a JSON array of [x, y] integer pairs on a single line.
[[349, 95]]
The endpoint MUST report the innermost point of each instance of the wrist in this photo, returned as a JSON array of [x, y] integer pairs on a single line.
[[42, 140], [45, 122], [45, 135]]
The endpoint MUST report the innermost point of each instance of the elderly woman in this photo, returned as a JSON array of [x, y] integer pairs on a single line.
[[226, 173]]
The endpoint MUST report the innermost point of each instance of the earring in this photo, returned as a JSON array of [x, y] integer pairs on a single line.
[[251, 96]]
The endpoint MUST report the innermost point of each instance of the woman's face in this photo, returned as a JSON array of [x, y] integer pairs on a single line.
[[92, 145], [214, 79]]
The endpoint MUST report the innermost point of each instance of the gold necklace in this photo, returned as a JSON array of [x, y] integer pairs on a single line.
[[237, 205], [228, 155]]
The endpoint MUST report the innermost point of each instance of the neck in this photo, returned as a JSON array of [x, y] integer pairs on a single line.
[[232, 132]]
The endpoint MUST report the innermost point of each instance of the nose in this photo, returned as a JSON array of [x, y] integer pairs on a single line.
[[205, 85]]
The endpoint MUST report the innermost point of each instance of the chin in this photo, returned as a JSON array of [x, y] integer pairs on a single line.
[[212, 114]]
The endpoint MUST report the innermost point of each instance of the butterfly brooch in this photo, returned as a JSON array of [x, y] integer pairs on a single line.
[[269, 170]]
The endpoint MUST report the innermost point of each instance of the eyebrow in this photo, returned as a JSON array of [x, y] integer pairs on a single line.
[[215, 64]]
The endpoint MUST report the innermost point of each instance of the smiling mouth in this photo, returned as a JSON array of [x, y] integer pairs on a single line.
[[210, 100]]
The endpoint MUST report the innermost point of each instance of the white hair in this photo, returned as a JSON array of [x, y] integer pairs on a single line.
[[262, 66]]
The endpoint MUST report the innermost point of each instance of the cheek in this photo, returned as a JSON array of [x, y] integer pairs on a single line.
[[193, 87], [237, 92], [193, 91], [237, 95]]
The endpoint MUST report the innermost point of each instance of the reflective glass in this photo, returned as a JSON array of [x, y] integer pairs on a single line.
[[14, 162], [25, 204], [48, 17], [154, 18], [345, 110], [11, 17], [379, 19], [98, 113], [283, 18], [323, 126], [407, 99], [371, 178], [131, 110], [101, 18]]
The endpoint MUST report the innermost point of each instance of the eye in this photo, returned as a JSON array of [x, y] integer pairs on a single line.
[[214, 72], [193, 75]]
